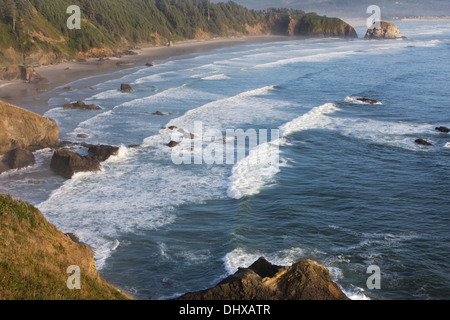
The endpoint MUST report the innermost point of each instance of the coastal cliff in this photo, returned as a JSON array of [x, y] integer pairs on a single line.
[[35, 257], [24, 129], [22, 132], [35, 32]]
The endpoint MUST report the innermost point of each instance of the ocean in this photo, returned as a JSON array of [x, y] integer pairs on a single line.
[[344, 184]]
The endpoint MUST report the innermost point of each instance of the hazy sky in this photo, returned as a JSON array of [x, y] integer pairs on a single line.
[[357, 8]]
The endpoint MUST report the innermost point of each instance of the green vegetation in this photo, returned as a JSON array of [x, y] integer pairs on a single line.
[[34, 257], [30, 26]]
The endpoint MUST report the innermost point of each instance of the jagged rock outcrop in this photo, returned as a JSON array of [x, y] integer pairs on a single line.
[[387, 30], [24, 129], [80, 105], [305, 280], [66, 163], [101, 152]]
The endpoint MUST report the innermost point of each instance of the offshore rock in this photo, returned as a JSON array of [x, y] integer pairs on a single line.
[[387, 30], [102, 152], [369, 101], [443, 129], [125, 88], [80, 105], [305, 280], [422, 142]]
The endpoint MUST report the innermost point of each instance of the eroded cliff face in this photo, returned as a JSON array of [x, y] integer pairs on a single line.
[[20, 128], [305, 280], [387, 30]]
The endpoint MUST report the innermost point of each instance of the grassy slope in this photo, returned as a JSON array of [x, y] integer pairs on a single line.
[[34, 257]]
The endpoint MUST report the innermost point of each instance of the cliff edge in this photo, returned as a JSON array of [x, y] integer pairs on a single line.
[[35, 257]]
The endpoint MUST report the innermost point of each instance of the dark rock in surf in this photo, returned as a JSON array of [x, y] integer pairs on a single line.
[[369, 101], [80, 105], [173, 144], [125, 88], [422, 142], [102, 152], [443, 129], [158, 113], [66, 163]]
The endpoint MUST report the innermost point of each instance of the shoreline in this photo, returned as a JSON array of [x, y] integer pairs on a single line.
[[35, 96]]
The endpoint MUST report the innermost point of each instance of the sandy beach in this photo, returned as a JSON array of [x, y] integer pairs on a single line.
[[35, 96]]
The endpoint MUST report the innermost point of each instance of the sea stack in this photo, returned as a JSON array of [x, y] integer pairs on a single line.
[[386, 30]]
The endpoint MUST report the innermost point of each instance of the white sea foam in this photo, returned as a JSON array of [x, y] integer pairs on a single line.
[[243, 258], [217, 77], [320, 57], [254, 171], [447, 145], [109, 94], [259, 168]]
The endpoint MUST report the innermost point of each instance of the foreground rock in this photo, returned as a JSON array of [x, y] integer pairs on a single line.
[[20, 128], [66, 163], [80, 105], [387, 30], [305, 280]]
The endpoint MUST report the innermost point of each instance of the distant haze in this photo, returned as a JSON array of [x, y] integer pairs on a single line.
[[357, 8]]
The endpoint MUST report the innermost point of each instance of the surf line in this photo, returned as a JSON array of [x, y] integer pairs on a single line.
[[211, 146]]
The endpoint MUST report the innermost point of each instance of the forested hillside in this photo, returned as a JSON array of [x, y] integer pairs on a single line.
[[35, 31]]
